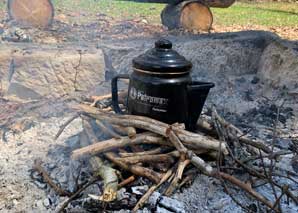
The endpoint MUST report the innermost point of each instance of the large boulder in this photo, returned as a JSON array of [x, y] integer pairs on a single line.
[[279, 65], [33, 72]]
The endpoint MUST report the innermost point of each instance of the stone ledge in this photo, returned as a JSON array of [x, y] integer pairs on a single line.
[[31, 72]]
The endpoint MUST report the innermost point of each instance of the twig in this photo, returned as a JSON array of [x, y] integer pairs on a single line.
[[97, 99], [65, 125], [108, 145], [150, 158], [153, 188], [277, 202], [137, 170], [77, 70], [176, 142], [237, 133], [131, 132], [156, 151], [73, 196], [126, 181], [107, 130], [195, 160], [246, 188], [38, 167], [178, 176]]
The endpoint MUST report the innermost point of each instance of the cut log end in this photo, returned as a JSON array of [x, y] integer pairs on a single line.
[[196, 16], [35, 13], [191, 15]]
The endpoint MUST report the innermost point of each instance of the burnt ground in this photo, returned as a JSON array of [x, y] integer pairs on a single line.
[[29, 127]]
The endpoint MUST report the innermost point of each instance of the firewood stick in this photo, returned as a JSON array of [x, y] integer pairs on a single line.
[[245, 187], [129, 131], [108, 109], [206, 124], [178, 176], [153, 188], [181, 168], [200, 163], [155, 151], [126, 181], [137, 170], [108, 145], [176, 142], [195, 160], [107, 130], [96, 99], [152, 125], [107, 173], [151, 158], [188, 178]]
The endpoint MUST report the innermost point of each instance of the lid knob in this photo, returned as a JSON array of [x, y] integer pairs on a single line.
[[163, 44]]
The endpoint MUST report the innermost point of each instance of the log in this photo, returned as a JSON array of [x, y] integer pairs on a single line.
[[210, 3], [35, 13], [191, 15]]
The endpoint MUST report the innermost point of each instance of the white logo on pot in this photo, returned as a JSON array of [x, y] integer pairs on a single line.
[[142, 96]]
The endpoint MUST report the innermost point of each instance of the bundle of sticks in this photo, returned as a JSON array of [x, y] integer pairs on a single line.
[[168, 154]]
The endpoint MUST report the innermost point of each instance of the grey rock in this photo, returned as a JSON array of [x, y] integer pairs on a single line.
[[172, 204], [139, 190], [153, 199], [122, 194], [47, 203], [39, 204], [40, 185], [52, 166], [162, 210], [144, 210], [283, 143], [220, 204], [63, 179]]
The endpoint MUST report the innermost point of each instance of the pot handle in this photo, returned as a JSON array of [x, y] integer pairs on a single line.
[[114, 86]]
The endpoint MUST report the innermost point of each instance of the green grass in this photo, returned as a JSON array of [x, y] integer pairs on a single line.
[[263, 14], [114, 8], [273, 14]]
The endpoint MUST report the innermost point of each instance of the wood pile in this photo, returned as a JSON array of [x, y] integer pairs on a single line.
[[192, 15], [169, 156]]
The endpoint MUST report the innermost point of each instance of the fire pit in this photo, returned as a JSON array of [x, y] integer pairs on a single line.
[[253, 131]]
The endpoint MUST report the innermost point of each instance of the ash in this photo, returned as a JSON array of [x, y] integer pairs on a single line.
[[250, 102]]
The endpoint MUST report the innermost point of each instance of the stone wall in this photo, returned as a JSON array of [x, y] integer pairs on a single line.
[[231, 60]]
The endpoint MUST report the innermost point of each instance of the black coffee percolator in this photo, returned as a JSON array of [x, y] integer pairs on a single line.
[[161, 87]]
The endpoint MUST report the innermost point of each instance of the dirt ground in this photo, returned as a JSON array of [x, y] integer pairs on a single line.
[[68, 27]]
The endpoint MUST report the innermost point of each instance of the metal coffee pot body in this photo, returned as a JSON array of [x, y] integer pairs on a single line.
[[160, 87]]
